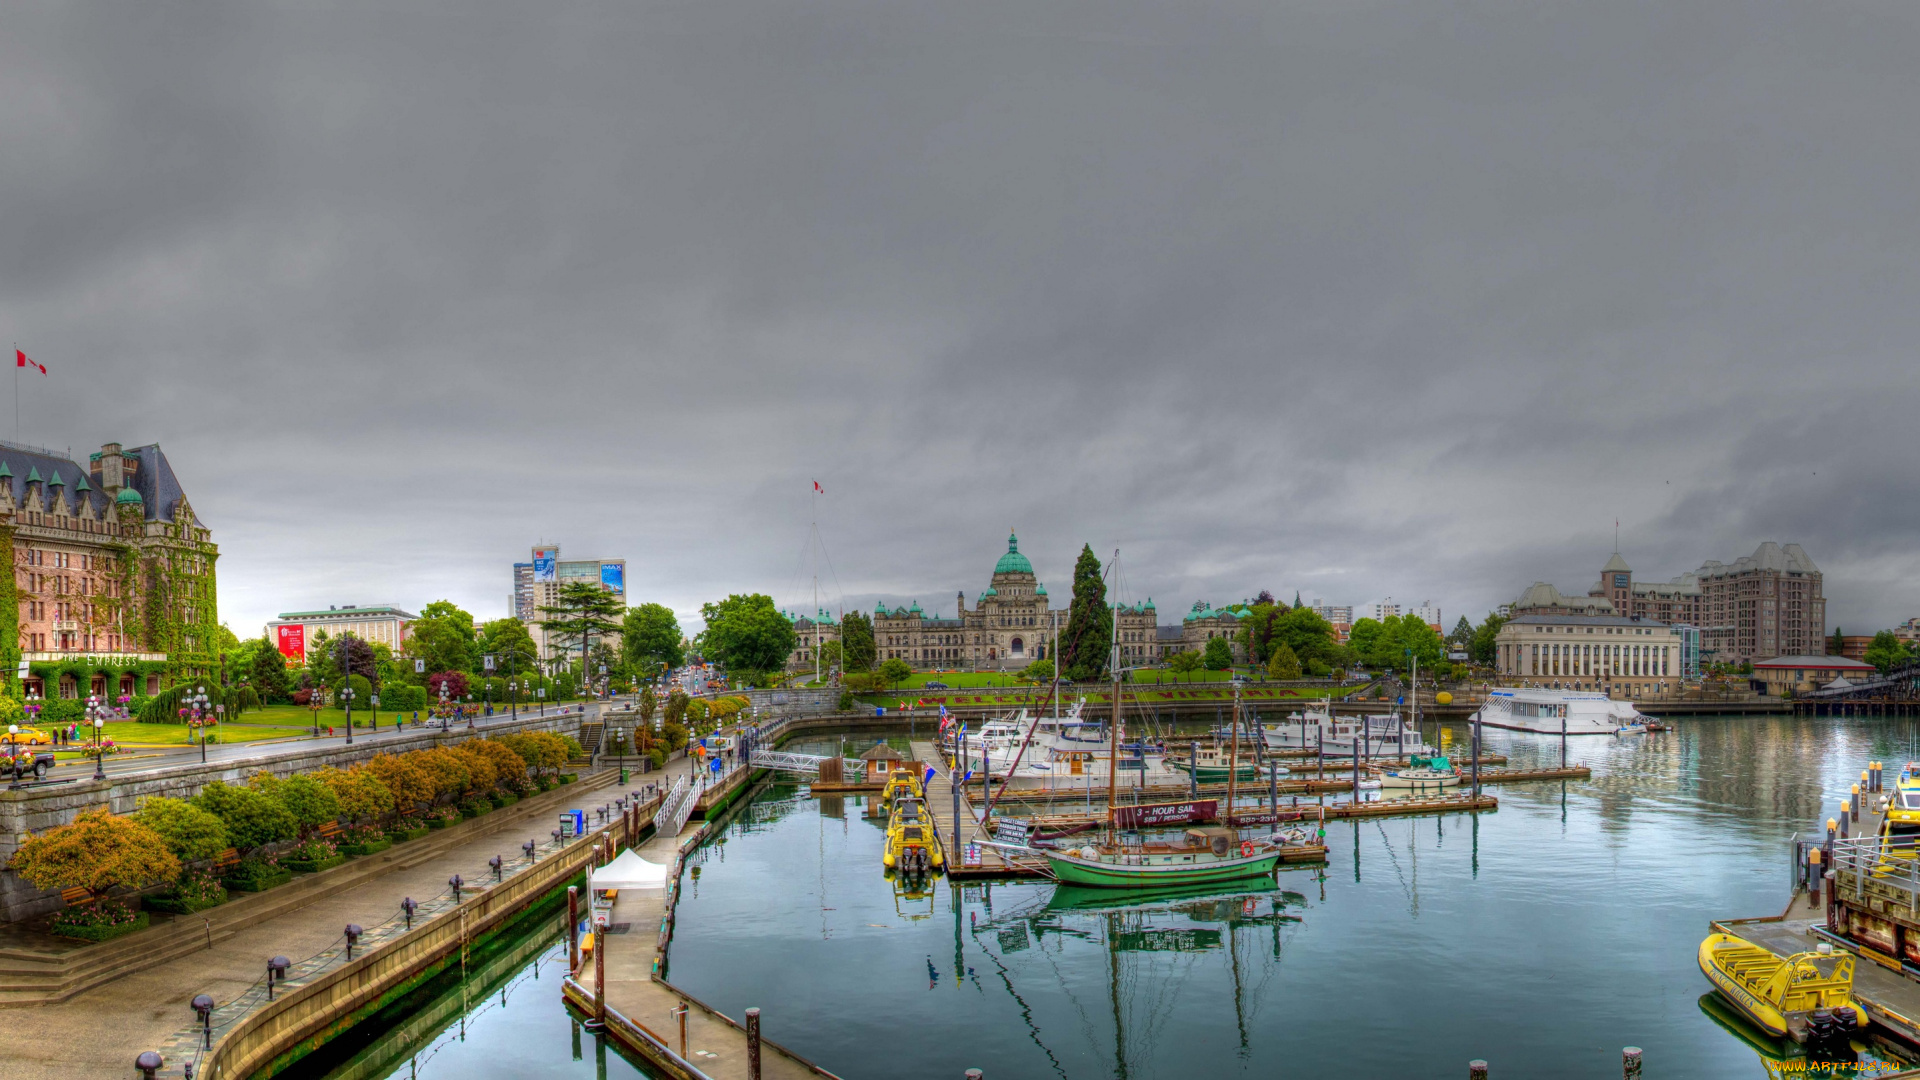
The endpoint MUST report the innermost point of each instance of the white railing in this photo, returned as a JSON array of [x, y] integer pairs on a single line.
[[674, 811], [806, 764], [1895, 865]]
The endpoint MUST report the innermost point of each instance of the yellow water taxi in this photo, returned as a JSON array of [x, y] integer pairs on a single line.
[[901, 783], [913, 843], [1806, 997], [1900, 829]]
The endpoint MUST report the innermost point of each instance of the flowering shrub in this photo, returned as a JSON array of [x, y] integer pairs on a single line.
[[105, 915], [311, 850]]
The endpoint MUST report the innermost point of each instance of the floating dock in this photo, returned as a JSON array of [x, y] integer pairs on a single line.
[[1869, 907]]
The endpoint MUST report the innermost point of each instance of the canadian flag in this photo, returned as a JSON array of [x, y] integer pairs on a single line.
[[20, 360], [816, 487]]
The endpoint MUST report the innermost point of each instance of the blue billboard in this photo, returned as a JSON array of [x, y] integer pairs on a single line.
[[543, 563], [613, 577]]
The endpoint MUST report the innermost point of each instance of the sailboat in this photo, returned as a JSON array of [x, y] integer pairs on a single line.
[[1201, 854]]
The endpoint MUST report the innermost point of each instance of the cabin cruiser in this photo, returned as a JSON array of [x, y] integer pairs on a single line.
[[1553, 712], [1384, 735]]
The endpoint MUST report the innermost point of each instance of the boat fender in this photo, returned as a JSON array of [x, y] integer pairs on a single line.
[[1246, 849]]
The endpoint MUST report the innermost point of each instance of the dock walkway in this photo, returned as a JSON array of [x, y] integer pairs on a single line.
[[641, 1003]]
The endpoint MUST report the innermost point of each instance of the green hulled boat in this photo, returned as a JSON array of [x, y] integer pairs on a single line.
[[1202, 856], [1207, 857]]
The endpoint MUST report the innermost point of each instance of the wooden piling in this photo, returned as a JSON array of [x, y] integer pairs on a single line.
[[753, 1044], [573, 929]]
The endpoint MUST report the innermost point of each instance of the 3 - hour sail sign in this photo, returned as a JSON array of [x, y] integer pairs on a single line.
[[1179, 813]]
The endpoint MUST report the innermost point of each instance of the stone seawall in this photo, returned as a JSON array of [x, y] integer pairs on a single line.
[[32, 809]]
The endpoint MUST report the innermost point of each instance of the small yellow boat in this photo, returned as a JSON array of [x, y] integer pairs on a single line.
[[913, 844], [1806, 997], [901, 783]]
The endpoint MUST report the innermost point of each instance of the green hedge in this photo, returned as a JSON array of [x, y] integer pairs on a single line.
[[313, 866], [174, 905], [371, 847]]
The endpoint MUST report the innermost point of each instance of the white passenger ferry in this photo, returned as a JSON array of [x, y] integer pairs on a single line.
[[1549, 712]]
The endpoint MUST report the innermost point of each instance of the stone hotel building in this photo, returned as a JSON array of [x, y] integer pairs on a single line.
[[1758, 607], [112, 572]]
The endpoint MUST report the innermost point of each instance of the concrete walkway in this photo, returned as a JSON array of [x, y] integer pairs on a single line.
[[98, 1033], [713, 1046]]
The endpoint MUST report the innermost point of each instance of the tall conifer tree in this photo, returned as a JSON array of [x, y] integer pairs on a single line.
[[1089, 634]]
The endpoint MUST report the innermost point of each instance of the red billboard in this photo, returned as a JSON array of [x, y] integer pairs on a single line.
[[293, 642]]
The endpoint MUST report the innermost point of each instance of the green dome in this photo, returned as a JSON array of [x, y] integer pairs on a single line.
[[1013, 562], [128, 497]]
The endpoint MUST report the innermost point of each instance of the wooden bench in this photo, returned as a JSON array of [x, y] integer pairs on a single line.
[[331, 828], [76, 895], [226, 860]]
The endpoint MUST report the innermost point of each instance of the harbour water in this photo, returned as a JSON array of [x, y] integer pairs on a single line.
[[1542, 937]]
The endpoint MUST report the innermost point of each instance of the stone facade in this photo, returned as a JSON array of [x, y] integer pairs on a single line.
[[1613, 654], [112, 572], [1206, 622], [1010, 625], [811, 634], [1763, 605]]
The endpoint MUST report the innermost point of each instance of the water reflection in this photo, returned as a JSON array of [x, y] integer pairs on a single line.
[[1542, 936], [1537, 936]]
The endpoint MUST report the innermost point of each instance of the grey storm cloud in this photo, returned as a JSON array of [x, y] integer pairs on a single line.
[[1358, 299]]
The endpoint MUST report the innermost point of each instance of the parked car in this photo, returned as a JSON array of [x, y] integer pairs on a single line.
[[27, 736], [936, 685]]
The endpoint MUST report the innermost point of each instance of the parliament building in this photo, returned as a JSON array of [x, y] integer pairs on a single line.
[[1009, 626]]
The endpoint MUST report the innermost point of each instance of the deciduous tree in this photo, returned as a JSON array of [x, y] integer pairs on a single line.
[[1886, 650], [192, 834], [98, 851], [747, 634], [1219, 654], [252, 819], [650, 637]]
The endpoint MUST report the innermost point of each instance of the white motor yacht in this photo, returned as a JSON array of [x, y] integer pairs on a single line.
[[1553, 712]]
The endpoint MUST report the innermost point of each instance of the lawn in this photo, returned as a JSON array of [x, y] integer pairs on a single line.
[[133, 733]]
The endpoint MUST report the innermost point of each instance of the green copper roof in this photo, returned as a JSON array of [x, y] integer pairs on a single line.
[[56, 481], [33, 474], [128, 497], [4, 471], [1039, 590], [81, 484], [1013, 562]]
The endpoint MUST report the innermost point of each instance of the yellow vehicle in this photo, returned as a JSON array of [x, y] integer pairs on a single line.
[[1900, 829], [26, 736], [901, 783], [913, 844], [1806, 997]]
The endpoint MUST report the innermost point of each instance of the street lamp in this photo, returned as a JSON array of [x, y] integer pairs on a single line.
[[196, 704], [444, 714]]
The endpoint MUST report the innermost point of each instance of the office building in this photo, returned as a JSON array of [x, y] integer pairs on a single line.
[[294, 632]]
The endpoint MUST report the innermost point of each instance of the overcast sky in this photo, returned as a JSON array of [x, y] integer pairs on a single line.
[[1359, 299]]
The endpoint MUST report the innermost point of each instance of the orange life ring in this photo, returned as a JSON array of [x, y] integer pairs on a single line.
[[1246, 849]]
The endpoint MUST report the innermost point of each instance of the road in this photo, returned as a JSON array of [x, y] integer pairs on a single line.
[[149, 759]]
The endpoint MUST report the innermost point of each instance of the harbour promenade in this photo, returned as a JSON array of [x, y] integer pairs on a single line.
[[139, 1005]]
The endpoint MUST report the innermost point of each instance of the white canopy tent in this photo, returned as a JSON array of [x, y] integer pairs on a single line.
[[628, 871]]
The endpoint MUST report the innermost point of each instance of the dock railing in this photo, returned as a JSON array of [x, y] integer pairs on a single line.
[[1886, 870], [676, 808]]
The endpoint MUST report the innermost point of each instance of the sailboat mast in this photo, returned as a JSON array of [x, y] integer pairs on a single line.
[[1113, 735], [1233, 756]]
